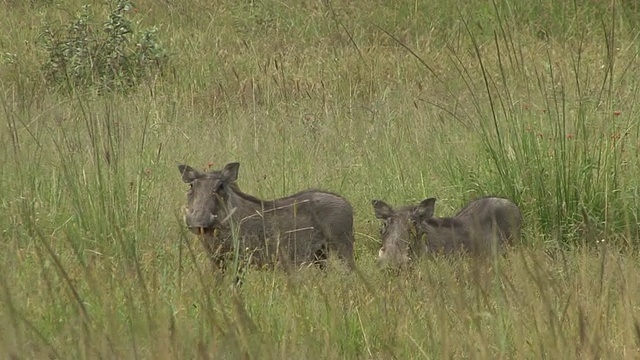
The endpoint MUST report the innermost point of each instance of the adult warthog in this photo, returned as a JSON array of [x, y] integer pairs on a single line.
[[302, 228], [480, 227]]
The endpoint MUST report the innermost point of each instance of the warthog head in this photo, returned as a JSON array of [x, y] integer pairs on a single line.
[[206, 209], [399, 231]]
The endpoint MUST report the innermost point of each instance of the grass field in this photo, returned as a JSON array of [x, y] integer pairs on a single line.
[[533, 100]]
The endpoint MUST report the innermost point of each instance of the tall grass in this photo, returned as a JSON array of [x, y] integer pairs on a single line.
[[552, 131], [399, 101]]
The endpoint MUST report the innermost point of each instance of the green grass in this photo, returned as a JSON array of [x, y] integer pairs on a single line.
[[392, 100]]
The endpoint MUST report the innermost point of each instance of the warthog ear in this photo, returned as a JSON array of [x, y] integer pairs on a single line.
[[188, 173], [230, 173], [426, 208], [382, 209]]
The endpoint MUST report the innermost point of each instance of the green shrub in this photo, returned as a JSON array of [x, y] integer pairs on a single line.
[[111, 57]]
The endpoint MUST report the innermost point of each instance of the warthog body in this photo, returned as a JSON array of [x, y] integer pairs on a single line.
[[482, 225], [301, 228]]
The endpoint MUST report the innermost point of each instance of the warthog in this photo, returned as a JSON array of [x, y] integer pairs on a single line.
[[301, 228], [482, 225]]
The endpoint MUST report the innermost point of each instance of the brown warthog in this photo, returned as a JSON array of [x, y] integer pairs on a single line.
[[301, 228], [482, 225]]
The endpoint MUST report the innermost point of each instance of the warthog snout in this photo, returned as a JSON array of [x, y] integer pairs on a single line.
[[392, 258], [200, 222]]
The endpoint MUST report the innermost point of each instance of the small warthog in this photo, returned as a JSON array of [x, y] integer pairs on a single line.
[[482, 225], [301, 228]]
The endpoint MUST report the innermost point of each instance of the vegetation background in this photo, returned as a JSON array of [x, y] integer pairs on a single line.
[[534, 100]]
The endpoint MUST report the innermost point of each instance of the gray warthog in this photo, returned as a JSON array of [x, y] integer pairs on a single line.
[[301, 228], [410, 231]]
